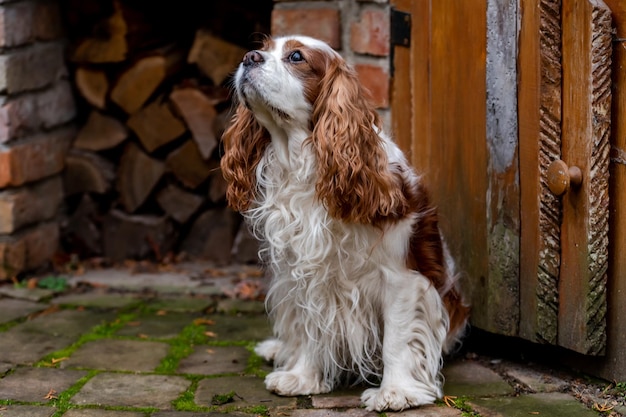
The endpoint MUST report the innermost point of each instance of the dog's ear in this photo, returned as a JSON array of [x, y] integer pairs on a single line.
[[244, 142], [353, 178]]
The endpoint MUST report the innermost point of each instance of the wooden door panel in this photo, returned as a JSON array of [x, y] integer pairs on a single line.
[[587, 49], [564, 113], [446, 84], [539, 112]]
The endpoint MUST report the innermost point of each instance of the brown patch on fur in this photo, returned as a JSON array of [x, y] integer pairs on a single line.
[[426, 256], [310, 71], [353, 178], [245, 142]]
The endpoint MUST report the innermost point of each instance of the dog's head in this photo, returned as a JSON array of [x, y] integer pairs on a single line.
[[296, 86]]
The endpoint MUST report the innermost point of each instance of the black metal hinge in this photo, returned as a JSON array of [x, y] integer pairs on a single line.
[[400, 28], [400, 33]]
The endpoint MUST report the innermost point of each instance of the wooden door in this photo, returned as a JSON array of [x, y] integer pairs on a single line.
[[565, 103], [499, 91]]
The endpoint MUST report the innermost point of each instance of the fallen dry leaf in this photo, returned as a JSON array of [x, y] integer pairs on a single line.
[[161, 313], [54, 361], [210, 334], [51, 395], [247, 290], [210, 351], [603, 408], [201, 321], [214, 272], [142, 336], [133, 323], [449, 400], [49, 310]]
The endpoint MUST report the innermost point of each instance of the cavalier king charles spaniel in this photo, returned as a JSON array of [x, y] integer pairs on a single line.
[[362, 285]]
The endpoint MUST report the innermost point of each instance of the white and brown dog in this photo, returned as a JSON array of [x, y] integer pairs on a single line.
[[362, 283]]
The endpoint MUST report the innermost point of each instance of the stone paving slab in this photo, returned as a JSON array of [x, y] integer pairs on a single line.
[[192, 414], [91, 412], [22, 293], [164, 326], [33, 384], [233, 306], [174, 282], [471, 379], [429, 411], [28, 342], [181, 304], [535, 380], [215, 360], [98, 299], [131, 390], [338, 399], [544, 404], [250, 392], [353, 412], [351, 398], [24, 348], [233, 328], [5, 367], [11, 309], [118, 355], [25, 411]]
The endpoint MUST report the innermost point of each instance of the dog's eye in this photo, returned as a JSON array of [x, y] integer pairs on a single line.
[[296, 56]]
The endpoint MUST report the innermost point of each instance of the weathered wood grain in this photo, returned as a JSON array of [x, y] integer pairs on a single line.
[[503, 198], [448, 49], [587, 48], [540, 144], [549, 150]]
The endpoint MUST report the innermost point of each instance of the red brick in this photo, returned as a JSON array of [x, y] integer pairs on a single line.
[[27, 21], [34, 158], [29, 113], [320, 23], [32, 68], [370, 35], [28, 250], [376, 80], [27, 205]]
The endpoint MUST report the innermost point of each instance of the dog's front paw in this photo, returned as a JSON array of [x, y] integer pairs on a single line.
[[396, 397], [293, 383]]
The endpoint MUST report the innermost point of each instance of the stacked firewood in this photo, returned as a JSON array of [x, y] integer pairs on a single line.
[[142, 178]]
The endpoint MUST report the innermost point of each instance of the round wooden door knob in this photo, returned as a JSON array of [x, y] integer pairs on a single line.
[[561, 177]]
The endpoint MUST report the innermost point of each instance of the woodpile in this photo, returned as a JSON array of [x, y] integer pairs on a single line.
[[142, 179]]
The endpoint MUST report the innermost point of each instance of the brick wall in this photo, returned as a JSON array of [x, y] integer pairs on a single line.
[[359, 30], [36, 111]]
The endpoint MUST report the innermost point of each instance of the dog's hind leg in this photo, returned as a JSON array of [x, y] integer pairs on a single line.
[[415, 323]]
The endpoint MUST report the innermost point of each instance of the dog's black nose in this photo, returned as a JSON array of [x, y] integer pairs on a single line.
[[252, 58]]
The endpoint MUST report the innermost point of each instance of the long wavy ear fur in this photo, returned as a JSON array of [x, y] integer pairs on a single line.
[[244, 141], [354, 181]]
